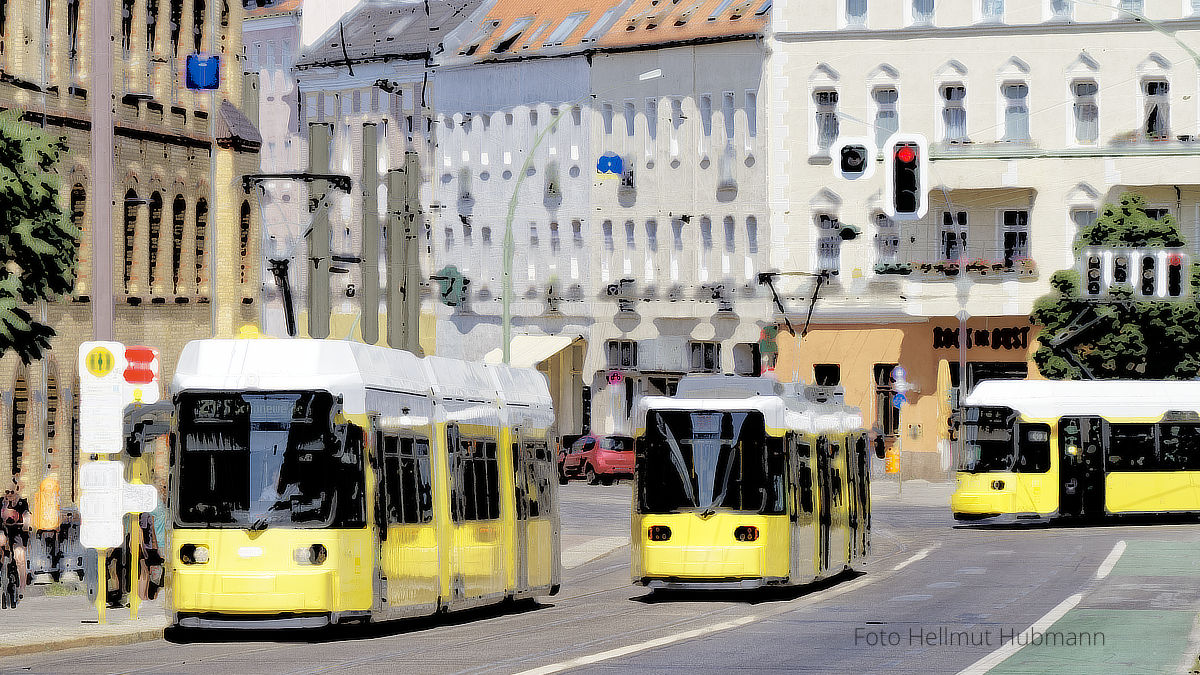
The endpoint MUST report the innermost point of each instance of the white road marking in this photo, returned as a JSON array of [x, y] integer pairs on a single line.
[[972, 570], [1012, 647], [789, 606], [1111, 561], [914, 559]]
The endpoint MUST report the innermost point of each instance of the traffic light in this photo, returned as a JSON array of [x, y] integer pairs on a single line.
[[452, 285], [1149, 278], [1120, 269], [855, 157], [1175, 275], [907, 168], [1094, 263]]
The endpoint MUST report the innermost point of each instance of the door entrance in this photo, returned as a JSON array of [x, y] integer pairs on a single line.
[[1081, 462]]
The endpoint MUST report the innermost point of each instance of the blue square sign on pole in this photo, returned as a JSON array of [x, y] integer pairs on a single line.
[[203, 71]]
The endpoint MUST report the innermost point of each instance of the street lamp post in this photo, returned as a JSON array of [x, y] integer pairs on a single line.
[[506, 280]]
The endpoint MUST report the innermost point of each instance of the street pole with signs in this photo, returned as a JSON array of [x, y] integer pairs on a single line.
[[899, 385], [111, 377]]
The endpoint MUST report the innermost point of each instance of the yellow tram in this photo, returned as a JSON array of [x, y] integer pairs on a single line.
[[744, 482], [1038, 449], [319, 481]]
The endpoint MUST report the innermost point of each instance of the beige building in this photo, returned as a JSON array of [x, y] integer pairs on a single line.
[[1034, 114], [169, 220]]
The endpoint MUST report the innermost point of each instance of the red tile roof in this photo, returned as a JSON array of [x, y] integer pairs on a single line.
[[273, 8]]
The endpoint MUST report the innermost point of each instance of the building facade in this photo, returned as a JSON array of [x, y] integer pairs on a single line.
[[1033, 115], [625, 145], [178, 202]]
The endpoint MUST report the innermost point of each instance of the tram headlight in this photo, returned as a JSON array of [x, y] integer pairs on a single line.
[[659, 533], [310, 555], [1073, 450], [746, 533], [192, 554], [997, 485]]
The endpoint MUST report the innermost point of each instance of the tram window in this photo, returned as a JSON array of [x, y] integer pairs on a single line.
[[1131, 447], [1179, 447], [990, 443], [477, 470], [803, 452], [391, 470], [424, 480], [406, 464], [1033, 449]]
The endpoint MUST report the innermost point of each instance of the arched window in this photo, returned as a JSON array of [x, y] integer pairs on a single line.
[[51, 405], [201, 236], [156, 211], [131, 205], [20, 407], [178, 211], [244, 239], [176, 18], [79, 220], [198, 25], [151, 23]]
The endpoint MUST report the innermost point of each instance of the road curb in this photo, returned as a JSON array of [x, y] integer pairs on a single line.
[[109, 640]]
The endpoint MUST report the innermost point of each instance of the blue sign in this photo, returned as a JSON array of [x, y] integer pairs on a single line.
[[203, 71], [610, 163], [899, 399]]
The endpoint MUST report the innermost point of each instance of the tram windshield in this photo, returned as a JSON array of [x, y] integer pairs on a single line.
[[995, 441], [257, 460], [705, 461]]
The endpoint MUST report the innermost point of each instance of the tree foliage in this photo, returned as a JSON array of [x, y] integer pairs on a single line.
[[1128, 337], [38, 244]]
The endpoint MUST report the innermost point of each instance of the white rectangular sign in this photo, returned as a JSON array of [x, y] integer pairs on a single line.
[[101, 396], [105, 500]]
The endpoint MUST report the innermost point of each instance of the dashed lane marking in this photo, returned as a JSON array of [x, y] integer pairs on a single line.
[[1013, 646], [1111, 561]]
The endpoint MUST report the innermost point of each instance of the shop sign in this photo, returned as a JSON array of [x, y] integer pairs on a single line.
[[996, 338]]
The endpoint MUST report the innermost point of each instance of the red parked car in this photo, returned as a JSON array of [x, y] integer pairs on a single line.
[[596, 458]]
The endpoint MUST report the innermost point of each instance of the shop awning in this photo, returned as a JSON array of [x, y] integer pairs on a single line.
[[526, 351]]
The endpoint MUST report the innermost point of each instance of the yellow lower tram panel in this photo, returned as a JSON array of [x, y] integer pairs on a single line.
[[271, 579], [724, 550]]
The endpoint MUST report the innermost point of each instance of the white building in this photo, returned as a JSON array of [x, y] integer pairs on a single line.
[[647, 273], [1036, 113]]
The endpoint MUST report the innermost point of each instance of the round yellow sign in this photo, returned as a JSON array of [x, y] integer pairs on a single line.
[[100, 361]]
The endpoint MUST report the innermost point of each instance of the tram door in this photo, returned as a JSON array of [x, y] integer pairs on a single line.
[[378, 465], [522, 480], [1081, 462], [800, 485], [825, 500]]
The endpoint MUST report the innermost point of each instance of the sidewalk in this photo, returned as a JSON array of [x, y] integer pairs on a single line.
[[47, 623], [915, 492]]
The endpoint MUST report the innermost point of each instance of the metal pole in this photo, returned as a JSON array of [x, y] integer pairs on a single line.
[[213, 211], [101, 179], [101, 584], [506, 287]]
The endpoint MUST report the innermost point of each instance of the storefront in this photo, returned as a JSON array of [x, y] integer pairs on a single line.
[[861, 358]]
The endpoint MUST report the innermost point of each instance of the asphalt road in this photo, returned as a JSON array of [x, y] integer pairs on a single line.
[[935, 598]]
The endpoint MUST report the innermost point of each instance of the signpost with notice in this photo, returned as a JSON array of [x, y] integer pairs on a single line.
[[893, 462], [111, 376]]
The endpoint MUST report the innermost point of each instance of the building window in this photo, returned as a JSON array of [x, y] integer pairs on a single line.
[[922, 12], [1087, 112], [1016, 236], [621, 353], [651, 127], [630, 117], [829, 244], [887, 118], [1157, 214], [752, 113], [198, 25], [954, 235], [887, 416], [887, 239], [652, 235], [629, 240], [131, 207], [151, 23], [1157, 109], [677, 234], [20, 407], [751, 234], [1082, 218], [747, 359], [1016, 111], [155, 229], [449, 233], [954, 113], [729, 233], [826, 118], [244, 240], [856, 13], [606, 227], [201, 245], [706, 114], [727, 113], [178, 213], [127, 25], [991, 10], [1195, 7], [706, 238], [79, 220], [555, 244], [827, 374], [72, 32], [577, 233], [1131, 7], [606, 112], [1060, 9], [485, 235], [705, 357]]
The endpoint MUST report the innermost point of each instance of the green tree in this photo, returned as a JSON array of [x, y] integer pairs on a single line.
[[1119, 336], [38, 244]]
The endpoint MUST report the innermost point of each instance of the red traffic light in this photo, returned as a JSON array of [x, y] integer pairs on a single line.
[[905, 154], [1174, 259]]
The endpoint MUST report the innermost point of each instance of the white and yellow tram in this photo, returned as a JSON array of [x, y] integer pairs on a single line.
[[745, 482], [320, 481]]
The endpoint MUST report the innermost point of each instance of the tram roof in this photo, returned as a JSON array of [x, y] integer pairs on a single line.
[[1044, 399]]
